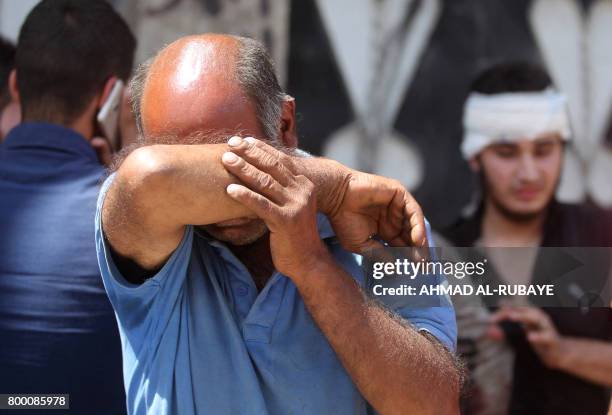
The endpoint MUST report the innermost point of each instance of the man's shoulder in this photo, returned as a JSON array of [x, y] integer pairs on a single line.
[[465, 231], [43, 155], [583, 224], [586, 211]]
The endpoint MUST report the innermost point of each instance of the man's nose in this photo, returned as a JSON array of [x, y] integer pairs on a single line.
[[528, 169]]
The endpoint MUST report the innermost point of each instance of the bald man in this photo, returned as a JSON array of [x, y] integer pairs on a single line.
[[232, 292]]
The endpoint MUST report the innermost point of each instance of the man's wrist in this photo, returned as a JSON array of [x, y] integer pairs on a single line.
[[563, 359], [320, 264], [331, 180]]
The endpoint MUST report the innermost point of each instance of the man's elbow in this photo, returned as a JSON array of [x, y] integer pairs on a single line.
[[146, 170], [450, 385], [449, 404], [445, 380], [444, 401], [437, 392], [135, 192]]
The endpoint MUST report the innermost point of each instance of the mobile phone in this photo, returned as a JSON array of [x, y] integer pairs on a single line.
[[108, 116]]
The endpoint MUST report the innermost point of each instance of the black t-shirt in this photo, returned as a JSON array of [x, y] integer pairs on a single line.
[[537, 389]]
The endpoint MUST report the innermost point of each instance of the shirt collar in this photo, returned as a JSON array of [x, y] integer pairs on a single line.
[[50, 136], [325, 229]]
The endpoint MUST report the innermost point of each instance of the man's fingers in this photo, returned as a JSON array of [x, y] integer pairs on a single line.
[[534, 322], [494, 332], [103, 150], [413, 220], [257, 203], [262, 156], [532, 318], [500, 315], [369, 247], [253, 178], [540, 338], [391, 222], [402, 223], [528, 315], [416, 219]]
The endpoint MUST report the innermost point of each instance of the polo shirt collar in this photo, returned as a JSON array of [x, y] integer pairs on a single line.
[[49, 136], [325, 229]]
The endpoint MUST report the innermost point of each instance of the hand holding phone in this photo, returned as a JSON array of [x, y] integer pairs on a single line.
[[108, 116]]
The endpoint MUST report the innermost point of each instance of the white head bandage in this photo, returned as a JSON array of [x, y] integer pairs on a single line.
[[490, 119]]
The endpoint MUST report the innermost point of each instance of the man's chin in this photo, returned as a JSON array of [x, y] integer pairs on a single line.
[[237, 235], [522, 213]]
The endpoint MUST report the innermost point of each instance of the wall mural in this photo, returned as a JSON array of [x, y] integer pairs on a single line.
[[377, 63], [575, 43], [407, 85], [159, 22]]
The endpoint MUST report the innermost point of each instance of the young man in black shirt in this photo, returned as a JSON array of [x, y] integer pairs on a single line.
[[516, 129]]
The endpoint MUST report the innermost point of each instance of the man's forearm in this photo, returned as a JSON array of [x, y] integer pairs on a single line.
[[191, 181], [588, 359], [160, 189], [397, 369]]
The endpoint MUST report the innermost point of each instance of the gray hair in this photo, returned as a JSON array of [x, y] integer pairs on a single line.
[[136, 89], [255, 74]]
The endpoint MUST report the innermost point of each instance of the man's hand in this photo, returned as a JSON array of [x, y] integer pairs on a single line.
[[103, 150], [540, 331], [369, 342], [287, 204], [359, 205], [589, 359], [374, 205]]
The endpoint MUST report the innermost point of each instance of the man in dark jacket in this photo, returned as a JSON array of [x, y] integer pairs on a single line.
[[9, 109], [58, 331]]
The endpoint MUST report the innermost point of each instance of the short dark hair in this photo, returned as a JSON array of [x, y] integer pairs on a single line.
[[7, 62], [67, 50], [512, 77]]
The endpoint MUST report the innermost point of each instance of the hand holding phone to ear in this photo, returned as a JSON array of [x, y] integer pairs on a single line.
[[108, 116], [103, 150]]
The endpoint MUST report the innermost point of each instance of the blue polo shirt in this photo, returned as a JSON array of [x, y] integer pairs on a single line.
[[198, 338], [58, 333]]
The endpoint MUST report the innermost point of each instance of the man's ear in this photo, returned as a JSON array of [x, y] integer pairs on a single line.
[[288, 129], [108, 87], [474, 163], [12, 85]]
